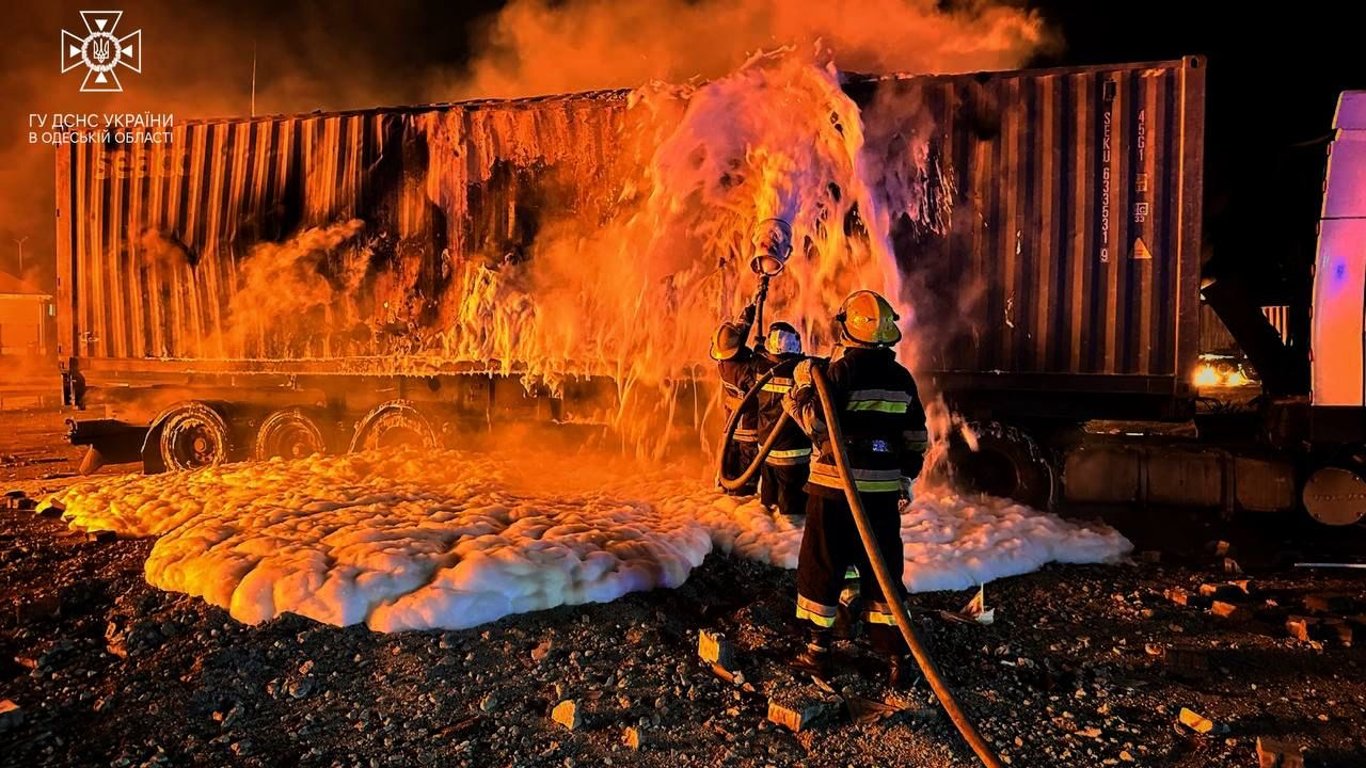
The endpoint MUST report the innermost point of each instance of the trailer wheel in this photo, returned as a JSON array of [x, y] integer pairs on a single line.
[[192, 435], [290, 433], [1006, 462], [394, 424]]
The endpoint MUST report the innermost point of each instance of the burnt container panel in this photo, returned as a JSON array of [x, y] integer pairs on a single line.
[[1073, 244], [1054, 243]]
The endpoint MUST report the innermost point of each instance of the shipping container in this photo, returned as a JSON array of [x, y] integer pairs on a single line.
[[1066, 203]]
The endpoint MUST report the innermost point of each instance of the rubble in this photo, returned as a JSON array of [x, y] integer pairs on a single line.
[[1187, 663], [633, 738], [1229, 611], [1278, 754], [714, 648], [798, 708], [566, 713], [1200, 724], [1300, 627], [11, 716]]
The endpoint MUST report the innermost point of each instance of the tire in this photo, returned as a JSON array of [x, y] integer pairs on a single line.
[[1004, 462], [193, 435], [290, 433], [394, 424]]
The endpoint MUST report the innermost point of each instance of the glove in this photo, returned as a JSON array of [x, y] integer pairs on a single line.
[[801, 375], [747, 316]]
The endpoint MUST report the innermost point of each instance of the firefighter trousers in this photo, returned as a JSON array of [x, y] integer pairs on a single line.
[[784, 486], [830, 544], [737, 457]]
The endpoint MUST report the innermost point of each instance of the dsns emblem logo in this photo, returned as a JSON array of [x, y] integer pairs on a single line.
[[101, 51]]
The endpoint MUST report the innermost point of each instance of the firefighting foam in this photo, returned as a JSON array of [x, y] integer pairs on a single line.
[[415, 540]]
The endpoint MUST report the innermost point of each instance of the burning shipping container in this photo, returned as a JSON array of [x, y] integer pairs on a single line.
[[1045, 224]]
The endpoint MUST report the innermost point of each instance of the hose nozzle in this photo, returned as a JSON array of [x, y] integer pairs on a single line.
[[772, 246]]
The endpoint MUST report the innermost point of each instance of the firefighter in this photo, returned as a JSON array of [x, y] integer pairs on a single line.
[[735, 361], [883, 423], [784, 472]]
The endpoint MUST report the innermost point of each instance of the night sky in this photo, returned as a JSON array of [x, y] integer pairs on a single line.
[[1272, 87]]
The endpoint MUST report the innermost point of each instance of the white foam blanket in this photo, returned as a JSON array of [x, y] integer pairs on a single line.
[[414, 540]]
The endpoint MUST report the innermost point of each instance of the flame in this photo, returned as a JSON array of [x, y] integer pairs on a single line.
[[1207, 376]]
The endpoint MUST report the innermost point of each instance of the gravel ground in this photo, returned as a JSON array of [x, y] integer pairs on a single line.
[[1084, 666], [106, 670]]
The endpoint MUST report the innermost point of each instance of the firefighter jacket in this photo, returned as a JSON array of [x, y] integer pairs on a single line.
[[881, 415], [792, 447], [737, 376]]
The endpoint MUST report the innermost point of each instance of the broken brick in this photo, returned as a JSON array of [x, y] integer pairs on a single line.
[[796, 712], [11, 716], [1339, 630], [1199, 723], [101, 537], [714, 648], [1328, 603], [633, 738], [734, 677], [1182, 597], [1191, 663], [566, 713], [1278, 754], [1225, 592], [1300, 627], [1229, 611]]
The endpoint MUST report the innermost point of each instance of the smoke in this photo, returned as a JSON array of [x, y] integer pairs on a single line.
[[298, 293], [540, 46], [197, 63]]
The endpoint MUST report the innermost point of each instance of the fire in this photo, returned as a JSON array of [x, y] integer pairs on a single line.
[[1207, 376]]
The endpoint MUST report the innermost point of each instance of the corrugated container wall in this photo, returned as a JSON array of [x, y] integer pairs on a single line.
[[1068, 242]]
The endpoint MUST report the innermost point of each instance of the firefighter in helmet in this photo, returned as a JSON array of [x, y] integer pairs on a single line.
[[883, 423], [784, 472], [735, 362]]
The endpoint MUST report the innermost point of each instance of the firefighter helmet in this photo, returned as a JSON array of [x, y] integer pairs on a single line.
[[783, 339], [730, 337], [867, 319]]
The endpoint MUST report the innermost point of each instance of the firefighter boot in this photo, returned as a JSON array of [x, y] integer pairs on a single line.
[[815, 658]]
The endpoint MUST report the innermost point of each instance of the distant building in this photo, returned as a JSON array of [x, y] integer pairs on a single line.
[[26, 318]]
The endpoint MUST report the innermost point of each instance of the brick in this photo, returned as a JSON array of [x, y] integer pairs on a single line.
[[734, 677], [633, 738], [714, 648], [1278, 754], [102, 537], [1227, 592], [1199, 723], [1182, 597], [1300, 627], [1339, 630], [1229, 611], [1325, 602], [11, 716], [796, 712], [566, 713], [1190, 663]]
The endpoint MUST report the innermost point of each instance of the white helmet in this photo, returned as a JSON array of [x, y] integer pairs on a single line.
[[783, 339]]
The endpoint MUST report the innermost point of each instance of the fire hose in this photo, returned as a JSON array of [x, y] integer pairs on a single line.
[[890, 588]]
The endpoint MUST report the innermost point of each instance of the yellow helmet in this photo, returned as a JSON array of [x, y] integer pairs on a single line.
[[868, 319], [727, 342]]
